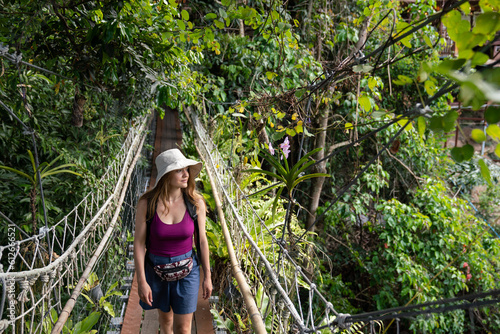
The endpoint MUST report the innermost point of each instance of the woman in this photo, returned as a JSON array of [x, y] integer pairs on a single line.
[[170, 231]]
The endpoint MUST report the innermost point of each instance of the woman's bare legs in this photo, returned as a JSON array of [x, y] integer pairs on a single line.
[[166, 322], [171, 323]]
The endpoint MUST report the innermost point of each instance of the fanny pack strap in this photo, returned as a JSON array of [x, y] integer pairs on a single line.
[[148, 260]]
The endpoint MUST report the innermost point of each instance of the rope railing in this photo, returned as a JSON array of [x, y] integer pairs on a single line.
[[38, 276], [273, 274]]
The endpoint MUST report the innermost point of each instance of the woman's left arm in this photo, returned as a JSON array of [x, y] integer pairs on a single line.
[[205, 259]]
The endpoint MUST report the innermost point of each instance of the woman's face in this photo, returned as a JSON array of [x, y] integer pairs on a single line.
[[179, 178]]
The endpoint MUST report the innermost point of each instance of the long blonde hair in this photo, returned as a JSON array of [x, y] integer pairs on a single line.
[[161, 192]]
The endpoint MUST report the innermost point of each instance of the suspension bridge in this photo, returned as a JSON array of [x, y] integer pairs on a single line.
[[278, 294], [52, 263]]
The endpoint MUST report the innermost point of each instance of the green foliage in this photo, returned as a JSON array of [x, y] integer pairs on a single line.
[[82, 327], [100, 303], [444, 123], [43, 169], [417, 253], [226, 324], [463, 153], [215, 238], [426, 245], [476, 86], [85, 326], [129, 57], [287, 177], [467, 175]]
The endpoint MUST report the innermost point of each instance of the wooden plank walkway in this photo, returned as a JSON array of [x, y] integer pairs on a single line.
[[168, 135]]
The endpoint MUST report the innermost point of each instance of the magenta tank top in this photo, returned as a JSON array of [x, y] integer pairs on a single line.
[[171, 240]]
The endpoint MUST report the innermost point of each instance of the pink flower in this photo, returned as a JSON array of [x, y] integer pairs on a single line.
[[285, 146], [271, 149], [469, 276], [465, 264]]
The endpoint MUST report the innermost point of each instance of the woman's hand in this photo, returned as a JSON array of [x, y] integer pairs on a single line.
[[207, 288], [145, 293]]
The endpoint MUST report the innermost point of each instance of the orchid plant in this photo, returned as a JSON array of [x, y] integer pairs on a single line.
[[288, 178]]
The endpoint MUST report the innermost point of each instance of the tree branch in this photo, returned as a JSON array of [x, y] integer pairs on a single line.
[[55, 6], [406, 167]]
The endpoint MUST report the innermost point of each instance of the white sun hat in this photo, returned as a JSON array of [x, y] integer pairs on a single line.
[[173, 159]]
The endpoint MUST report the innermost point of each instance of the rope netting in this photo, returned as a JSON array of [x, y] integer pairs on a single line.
[[288, 299], [45, 268]]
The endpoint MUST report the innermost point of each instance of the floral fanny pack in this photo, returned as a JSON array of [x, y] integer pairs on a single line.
[[173, 271]]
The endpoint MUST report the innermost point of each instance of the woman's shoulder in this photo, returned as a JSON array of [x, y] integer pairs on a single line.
[[142, 204], [200, 202], [198, 198]]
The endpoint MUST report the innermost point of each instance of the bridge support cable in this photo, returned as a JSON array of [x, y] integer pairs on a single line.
[[63, 317], [38, 289], [258, 249], [255, 315], [268, 266], [204, 141]]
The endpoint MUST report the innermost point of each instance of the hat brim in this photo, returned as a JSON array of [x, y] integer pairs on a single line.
[[194, 168]]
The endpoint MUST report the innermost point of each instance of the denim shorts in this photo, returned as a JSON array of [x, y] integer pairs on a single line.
[[181, 296]]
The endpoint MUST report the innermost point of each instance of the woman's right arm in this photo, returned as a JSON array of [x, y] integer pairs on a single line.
[[145, 293]]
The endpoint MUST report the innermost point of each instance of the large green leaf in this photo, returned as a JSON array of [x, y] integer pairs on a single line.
[[32, 159], [402, 80], [478, 135], [402, 27], [210, 16], [61, 171], [455, 25], [430, 87], [111, 288], [436, 124], [421, 126], [492, 115], [23, 174], [493, 131], [479, 58], [467, 42], [444, 123], [485, 171], [299, 166], [275, 202], [263, 171], [310, 176], [487, 23], [449, 121], [364, 102], [108, 307], [86, 324], [460, 154], [449, 65], [274, 162], [468, 152]]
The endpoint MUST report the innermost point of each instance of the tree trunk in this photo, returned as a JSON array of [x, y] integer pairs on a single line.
[[241, 23], [317, 182], [77, 117], [308, 19], [362, 35], [242, 27]]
